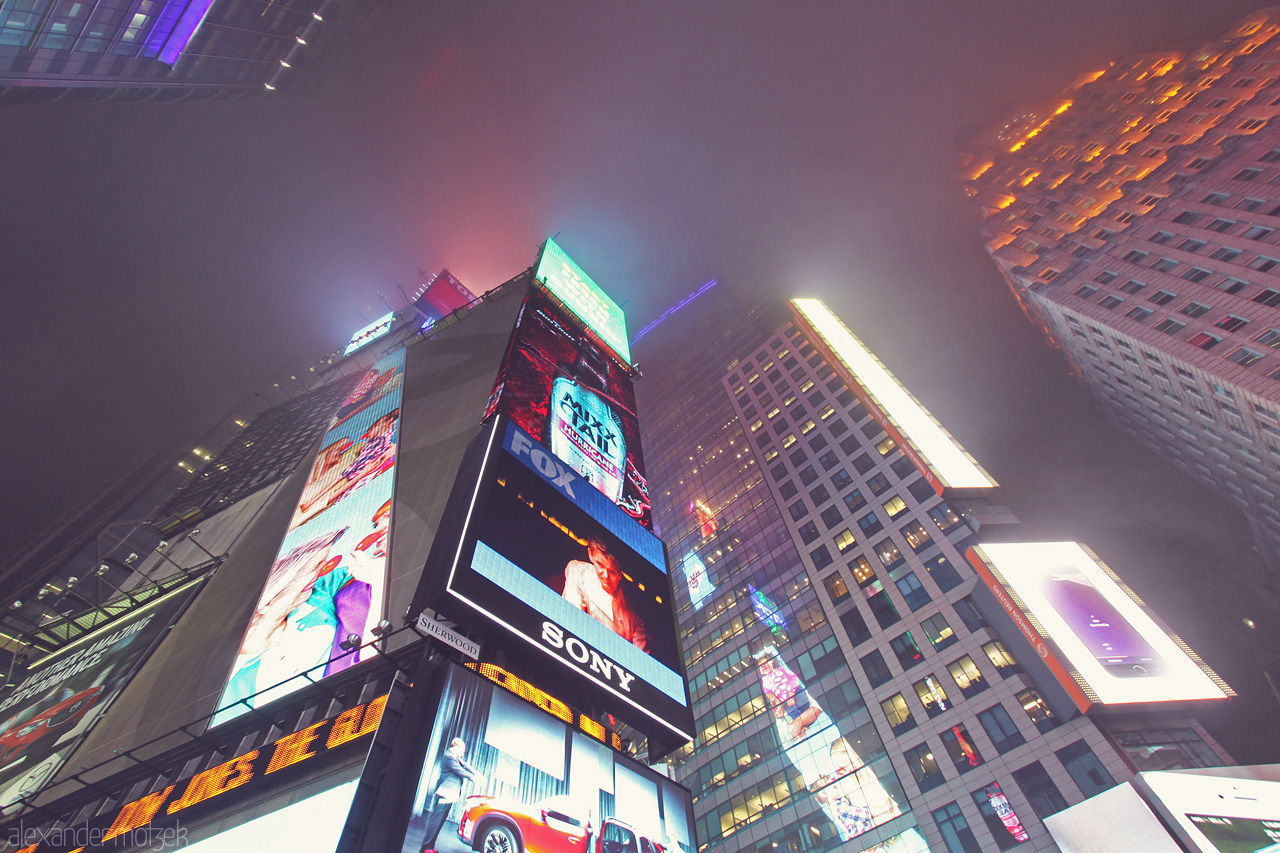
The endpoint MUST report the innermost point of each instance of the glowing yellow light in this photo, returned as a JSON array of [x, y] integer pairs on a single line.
[[939, 450], [1041, 126]]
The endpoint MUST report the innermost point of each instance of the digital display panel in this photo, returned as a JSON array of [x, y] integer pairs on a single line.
[[846, 770], [444, 295], [910, 841], [1219, 810], [582, 296], [931, 448], [502, 775], [313, 824], [1061, 595], [43, 718], [371, 332], [697, 579], [325, 588], [557, 386], [159, 818], [546, 557]]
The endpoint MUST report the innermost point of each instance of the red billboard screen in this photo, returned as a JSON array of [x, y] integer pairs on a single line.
[[558, 386]]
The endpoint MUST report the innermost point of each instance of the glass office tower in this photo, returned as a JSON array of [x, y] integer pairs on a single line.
[[849, 692]]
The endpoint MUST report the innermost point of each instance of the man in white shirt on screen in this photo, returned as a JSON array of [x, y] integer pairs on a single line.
[[595, 588]]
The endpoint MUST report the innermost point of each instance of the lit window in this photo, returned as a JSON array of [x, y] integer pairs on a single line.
[[894, 505]]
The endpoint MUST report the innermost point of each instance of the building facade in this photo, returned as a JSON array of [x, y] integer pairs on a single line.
[[817, 567], [165, 50], [1136, 218]]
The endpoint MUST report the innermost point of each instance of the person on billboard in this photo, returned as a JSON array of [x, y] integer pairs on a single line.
[[343, 598], [786, 693], [271, 652], [854, 795], [453, 773], [595, 588], [372, 387], [328, 467], [373, 455]]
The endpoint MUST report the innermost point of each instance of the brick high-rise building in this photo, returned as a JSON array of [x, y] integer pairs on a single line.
[[1136, 217]]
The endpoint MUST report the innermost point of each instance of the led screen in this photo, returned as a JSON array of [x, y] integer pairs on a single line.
[[1114, 649], [442, 297], [313, 824], [43, 718], [558, 387], [371, 332], [326, 585], [577, 292], [910, 841], [551, 560], [697, 579], [1221, 810], [501, 774], [857, 791]]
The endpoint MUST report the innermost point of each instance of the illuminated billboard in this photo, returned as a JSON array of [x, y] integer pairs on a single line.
[[371, 332], [557, 386], [502, 775], [942, 461], [43, 718], [575, 290], [162, 817], [846, 770], [1095, 635], [324, 593], [1218, 810], [546, 558], [444, 295], [697, 579], [314, 824]]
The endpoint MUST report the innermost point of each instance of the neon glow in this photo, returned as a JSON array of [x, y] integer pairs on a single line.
[[674, 308], [1115, 651], [371, 332], [574, 288], [941, 453]]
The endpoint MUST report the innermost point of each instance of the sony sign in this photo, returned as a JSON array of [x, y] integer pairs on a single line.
[[543, 557], [585, 656]]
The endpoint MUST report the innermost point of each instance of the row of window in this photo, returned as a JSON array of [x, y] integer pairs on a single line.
[[933, 695], [1036, 784]]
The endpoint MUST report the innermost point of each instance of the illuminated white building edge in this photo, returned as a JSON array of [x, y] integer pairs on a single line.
[[948, 461]]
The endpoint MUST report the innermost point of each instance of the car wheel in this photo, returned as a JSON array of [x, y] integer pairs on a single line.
[[499, 839]]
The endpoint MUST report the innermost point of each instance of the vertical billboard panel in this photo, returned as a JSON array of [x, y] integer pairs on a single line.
[[502, 775], [43, 719], [324, 593], [575, 290], [558, 386], [857, 791], [545, 558], [1096, 636]]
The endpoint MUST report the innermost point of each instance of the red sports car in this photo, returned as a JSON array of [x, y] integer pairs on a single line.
[[552, 825], [36, 737]]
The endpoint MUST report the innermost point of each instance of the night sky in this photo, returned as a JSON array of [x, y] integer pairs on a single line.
[[161, 262]]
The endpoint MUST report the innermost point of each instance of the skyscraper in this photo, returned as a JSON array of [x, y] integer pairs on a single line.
[[1135, 216], [165, 50], [855, 684]]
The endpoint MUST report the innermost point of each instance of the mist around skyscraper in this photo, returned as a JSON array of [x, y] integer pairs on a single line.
[[823, 557]]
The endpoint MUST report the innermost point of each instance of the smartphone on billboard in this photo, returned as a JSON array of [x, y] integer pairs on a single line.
[[1107, 635]]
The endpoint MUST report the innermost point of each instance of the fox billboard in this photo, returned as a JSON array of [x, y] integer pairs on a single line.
[[542, 557]]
